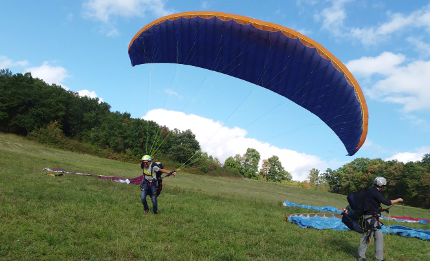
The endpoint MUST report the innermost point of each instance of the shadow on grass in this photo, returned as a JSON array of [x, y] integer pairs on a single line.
[[343, 245]]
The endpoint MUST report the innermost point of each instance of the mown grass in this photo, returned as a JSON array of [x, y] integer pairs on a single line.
[[201, 218]]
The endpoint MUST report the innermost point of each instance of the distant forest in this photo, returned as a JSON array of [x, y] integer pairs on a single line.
[[54, 116]]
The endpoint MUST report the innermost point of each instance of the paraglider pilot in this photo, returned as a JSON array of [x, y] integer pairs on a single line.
[[149, 182], [372, 211]]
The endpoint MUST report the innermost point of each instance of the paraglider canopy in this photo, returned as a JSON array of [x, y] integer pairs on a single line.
[[269, 55]]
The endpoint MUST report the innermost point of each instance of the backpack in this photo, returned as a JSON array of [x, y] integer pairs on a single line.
[[157, 176], [354, 220], [159, 180]]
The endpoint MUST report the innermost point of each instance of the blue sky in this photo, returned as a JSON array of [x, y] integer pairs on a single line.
[[82, 45]]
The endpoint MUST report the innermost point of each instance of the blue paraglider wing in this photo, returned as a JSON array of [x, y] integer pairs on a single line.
[[269, 55]]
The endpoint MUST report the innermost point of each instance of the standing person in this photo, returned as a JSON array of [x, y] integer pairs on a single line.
[[149, 182], [372, 212]]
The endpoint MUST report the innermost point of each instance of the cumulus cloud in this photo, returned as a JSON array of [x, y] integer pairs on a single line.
[[383, 64], [107, 10], [6, 63], [50, 74], [333, 17], [56, 75], [405, 84], [104, 10], [397, 22], [222, 142], [420, 46], [410, 156], [90, 94]]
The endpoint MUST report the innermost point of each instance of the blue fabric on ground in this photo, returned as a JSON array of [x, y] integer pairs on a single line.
[[422, 221], [337, 211], [319, 222], [337, 225], [328, 209], [406, 232]]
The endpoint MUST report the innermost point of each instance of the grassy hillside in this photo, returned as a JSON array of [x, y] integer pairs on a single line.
[[201, 218]]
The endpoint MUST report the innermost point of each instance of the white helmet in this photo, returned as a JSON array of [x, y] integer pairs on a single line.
[[380, 181]]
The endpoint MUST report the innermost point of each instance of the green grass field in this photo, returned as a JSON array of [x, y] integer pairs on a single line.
[[201, 218]]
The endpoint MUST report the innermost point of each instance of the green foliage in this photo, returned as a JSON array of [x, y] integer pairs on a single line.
[[51, 135], [317, 180], [409, 181], [183, 146], [247, 165], [313, 177], [250, 163], [233, 163], [425, 162], [54, 116], [205, 162], [265, 167], [276, 171], [223, 172]]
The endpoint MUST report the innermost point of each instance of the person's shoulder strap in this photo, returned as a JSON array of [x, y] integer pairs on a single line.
[[153, 164]]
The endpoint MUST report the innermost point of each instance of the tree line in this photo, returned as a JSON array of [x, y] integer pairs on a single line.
[[58, 117], [52, 115], [410, 181]]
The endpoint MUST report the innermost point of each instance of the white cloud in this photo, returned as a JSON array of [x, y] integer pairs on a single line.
[[402, 84], [420, 46], [6, 63], [90, 94], [410, 156], [374, 148], [417, 121], [56, 75], [383, 64], [332, 17], [70, 17], [397, 22], [104, 10], [368, 143], [113, 32], [50, 74], [223, 142], [171, 92]]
